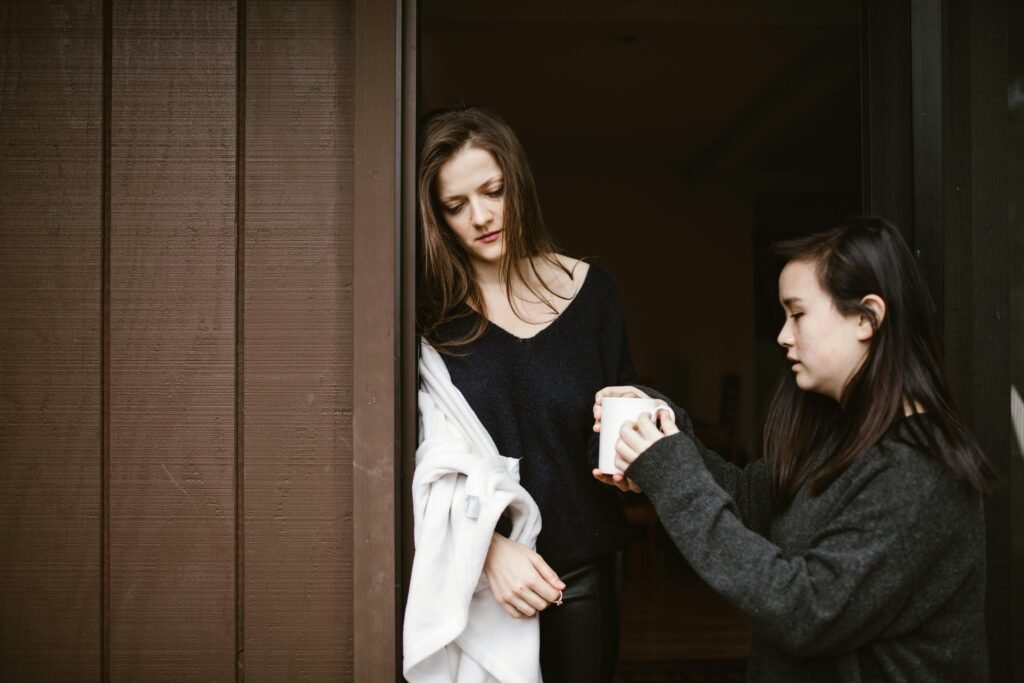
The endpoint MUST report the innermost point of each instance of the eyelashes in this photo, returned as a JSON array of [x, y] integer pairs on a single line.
[[455, 209]]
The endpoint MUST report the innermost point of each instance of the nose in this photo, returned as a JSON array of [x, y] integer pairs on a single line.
[[479, 213], [785, 338]]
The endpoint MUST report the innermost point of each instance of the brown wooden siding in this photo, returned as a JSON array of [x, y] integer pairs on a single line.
[[176, 340], [298, 341], [50, 340]]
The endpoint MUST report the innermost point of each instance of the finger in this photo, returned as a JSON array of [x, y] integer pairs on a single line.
[[597, 417], [536, 602], [619, 391], [550, 577], [510, 609], [627, 484], [616, 480], [632, 438], [647, 429], [624, 456], [668, 427], [623, 483], [523, 607], [624, 450]]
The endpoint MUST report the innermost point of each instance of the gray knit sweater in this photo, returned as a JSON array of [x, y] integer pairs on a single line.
[[879, 578]]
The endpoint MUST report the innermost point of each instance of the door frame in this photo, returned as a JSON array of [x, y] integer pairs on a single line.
[[930, 130], [384, 352], [936, 161]]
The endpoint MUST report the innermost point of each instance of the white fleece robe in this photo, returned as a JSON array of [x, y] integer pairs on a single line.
[[454, 628]]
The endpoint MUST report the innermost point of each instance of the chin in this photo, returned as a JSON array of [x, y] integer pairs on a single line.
[[804, 383]]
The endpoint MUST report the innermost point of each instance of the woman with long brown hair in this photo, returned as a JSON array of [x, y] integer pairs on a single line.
[[856, 546], [527, 335]]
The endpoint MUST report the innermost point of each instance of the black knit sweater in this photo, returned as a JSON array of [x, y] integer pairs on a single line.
[[881, 577], [535, 398]]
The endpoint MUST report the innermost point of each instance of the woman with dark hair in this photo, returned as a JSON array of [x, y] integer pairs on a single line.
[[856, 546], [528, 335]]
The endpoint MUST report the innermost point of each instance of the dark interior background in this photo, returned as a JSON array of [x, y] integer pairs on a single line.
[[671, 142]]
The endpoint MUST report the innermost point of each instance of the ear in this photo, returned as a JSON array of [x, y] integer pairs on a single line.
[[865, 330]]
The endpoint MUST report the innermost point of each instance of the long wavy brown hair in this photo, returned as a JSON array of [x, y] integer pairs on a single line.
[[809, 439], [446, 276]]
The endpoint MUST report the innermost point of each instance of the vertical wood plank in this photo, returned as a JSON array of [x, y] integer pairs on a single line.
[[409, 340], [298, 341], [50, 340], [375, 411], [172, 341]]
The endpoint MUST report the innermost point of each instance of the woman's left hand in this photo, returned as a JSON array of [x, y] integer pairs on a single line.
[[619, 481], [637, 437]]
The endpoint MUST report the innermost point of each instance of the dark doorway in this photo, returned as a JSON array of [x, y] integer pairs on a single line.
[[672, 142]]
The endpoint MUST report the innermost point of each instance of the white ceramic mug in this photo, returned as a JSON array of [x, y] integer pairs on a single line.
[[617, 410]]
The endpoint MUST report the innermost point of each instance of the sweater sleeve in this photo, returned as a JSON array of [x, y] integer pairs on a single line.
[[747, 486], [856, 572]]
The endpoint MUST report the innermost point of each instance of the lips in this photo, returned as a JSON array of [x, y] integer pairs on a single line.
[[489, 237]]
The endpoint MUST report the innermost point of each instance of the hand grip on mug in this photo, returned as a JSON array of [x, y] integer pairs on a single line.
[[617, 410]]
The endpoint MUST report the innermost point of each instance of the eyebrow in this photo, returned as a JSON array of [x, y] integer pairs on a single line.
[[495, 179], [791, 300]]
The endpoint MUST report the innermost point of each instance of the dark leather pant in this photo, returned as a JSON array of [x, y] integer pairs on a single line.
[[579, 640]]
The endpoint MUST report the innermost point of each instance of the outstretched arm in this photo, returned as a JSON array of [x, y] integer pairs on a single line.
[[857, 570]]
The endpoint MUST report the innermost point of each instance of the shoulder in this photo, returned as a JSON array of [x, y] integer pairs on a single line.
[[565, 275], [589, 276], [459, 326], [901, 469]]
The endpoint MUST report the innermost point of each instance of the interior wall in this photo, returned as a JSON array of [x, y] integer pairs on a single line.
[[683, 258], [176, 367], [653, 139]]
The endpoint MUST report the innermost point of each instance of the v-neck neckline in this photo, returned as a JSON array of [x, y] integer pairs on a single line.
[[554, 321]]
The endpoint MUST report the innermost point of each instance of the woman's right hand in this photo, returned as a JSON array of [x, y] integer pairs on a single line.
[[521, 581], [607, 392]]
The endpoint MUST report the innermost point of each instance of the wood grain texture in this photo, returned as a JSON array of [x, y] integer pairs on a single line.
[[172, 346], [374, 394], [50, 340], [298, 341]]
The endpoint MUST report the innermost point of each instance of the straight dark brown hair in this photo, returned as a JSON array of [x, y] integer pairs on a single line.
[[904, 366], [446, 278]]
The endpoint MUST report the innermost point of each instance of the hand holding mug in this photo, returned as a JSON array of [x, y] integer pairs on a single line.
[[635, 438], [621, 392], [619, 413]]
